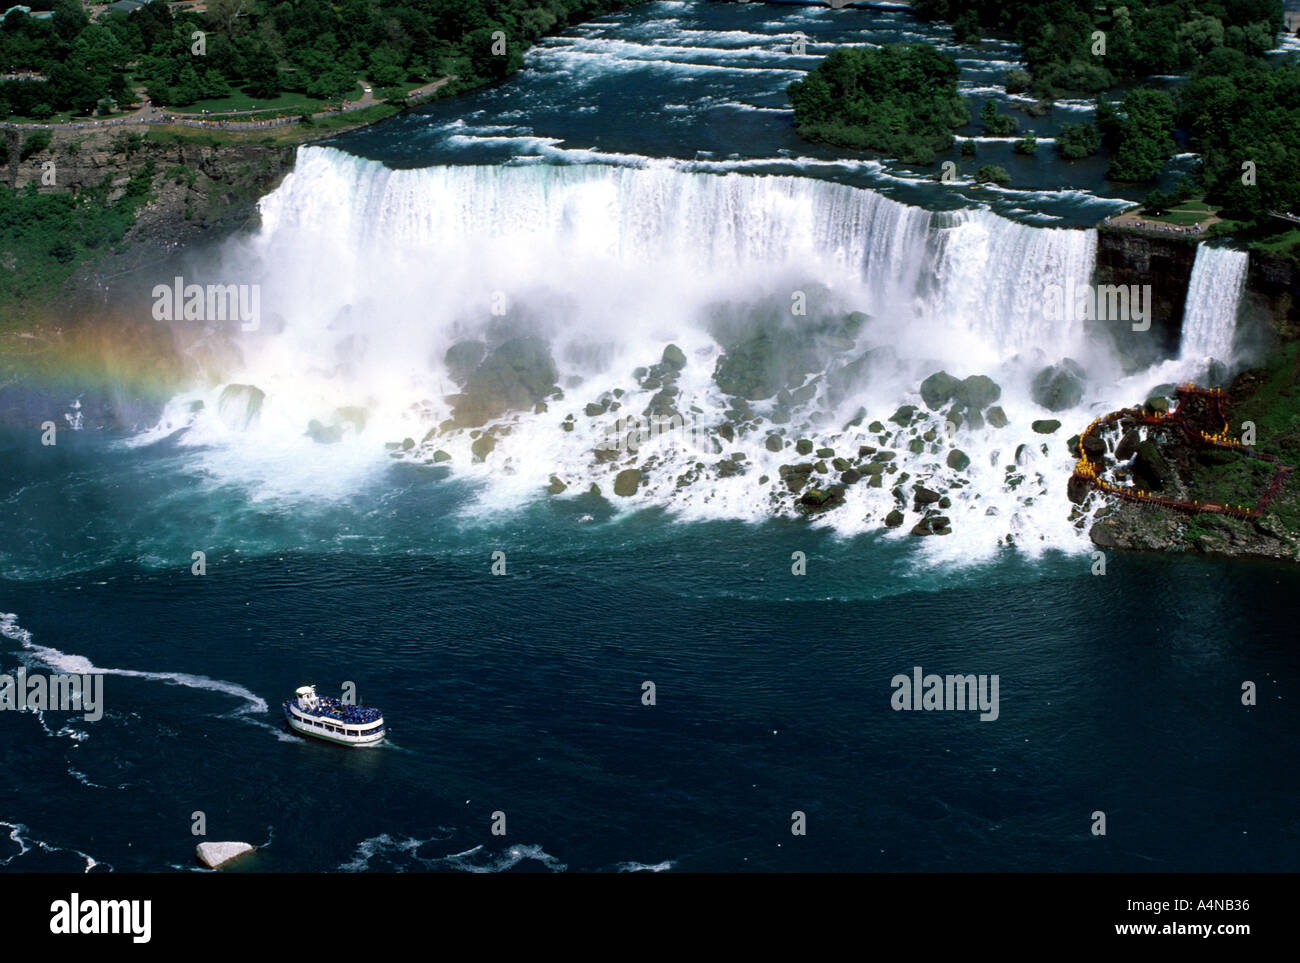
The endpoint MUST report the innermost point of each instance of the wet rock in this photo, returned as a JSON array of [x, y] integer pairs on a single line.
[[327, 434], [1045, 426], [761, 365], [804, 395], [938, 389], [803, 446], [556, 486], [213, 855], [814, 498], [462, 358], [903, 416], [958, 460], [626, 482], [674, 357], [514, 377], [483, 446], [978, 392], [1076, 489], [924, 496], [773, 443], [441, 456], [240, 405], [1094, 447], [1058, 387], [894, 518], [997, 418], [1127, 446], [1150, 469], [850, 476]]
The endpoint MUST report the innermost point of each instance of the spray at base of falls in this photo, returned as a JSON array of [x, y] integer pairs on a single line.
[[368, 275]]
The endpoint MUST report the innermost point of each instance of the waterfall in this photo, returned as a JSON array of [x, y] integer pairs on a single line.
[[367, 275], [349, 246], [1213, 294]]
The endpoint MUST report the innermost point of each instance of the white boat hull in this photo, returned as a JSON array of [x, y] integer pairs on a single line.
[[331, 730]]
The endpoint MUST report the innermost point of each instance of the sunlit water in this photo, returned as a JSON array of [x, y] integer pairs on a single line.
[[639, 173]]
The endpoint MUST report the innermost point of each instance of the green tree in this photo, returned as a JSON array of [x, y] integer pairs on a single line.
[[992, 173]]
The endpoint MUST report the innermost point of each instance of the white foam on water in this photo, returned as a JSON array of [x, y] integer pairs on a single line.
[[374, 273], [71, 664], [26, 844], [404, 852], [634, 867]]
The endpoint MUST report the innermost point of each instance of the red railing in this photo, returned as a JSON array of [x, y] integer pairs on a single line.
[[1086, 470]]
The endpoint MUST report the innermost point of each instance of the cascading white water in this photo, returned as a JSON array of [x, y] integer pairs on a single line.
[[368, 275], [424, 251], [1213, 294]]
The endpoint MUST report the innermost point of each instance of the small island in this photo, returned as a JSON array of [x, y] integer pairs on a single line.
[[899, 100]]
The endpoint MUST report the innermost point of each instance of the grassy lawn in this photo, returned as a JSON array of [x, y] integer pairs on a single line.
[[1183, 215], [1240, 480], [351, 118], [287, 101], [289, 134], [1271, 399], [1286, 244]]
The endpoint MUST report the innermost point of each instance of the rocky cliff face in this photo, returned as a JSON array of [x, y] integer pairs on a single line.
[[1272, 295], [1165, 263], [200, 190], [102, 360]]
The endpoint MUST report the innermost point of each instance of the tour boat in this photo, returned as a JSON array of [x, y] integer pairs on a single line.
[[332, 720]]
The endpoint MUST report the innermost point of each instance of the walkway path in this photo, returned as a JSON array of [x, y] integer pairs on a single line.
[[1087, 470], [149, 114]]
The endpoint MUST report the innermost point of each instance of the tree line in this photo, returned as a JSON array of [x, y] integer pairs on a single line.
[[314, 47]]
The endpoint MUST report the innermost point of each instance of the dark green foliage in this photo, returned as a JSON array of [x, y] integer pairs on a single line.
[[1077, 141], [34, 143], [42, 236], [1239, 110], [1027, 145], [966, 28], [314, 46], [996, 124], [1139, 134], [1142, 37], [899, 100], [992, 173]]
